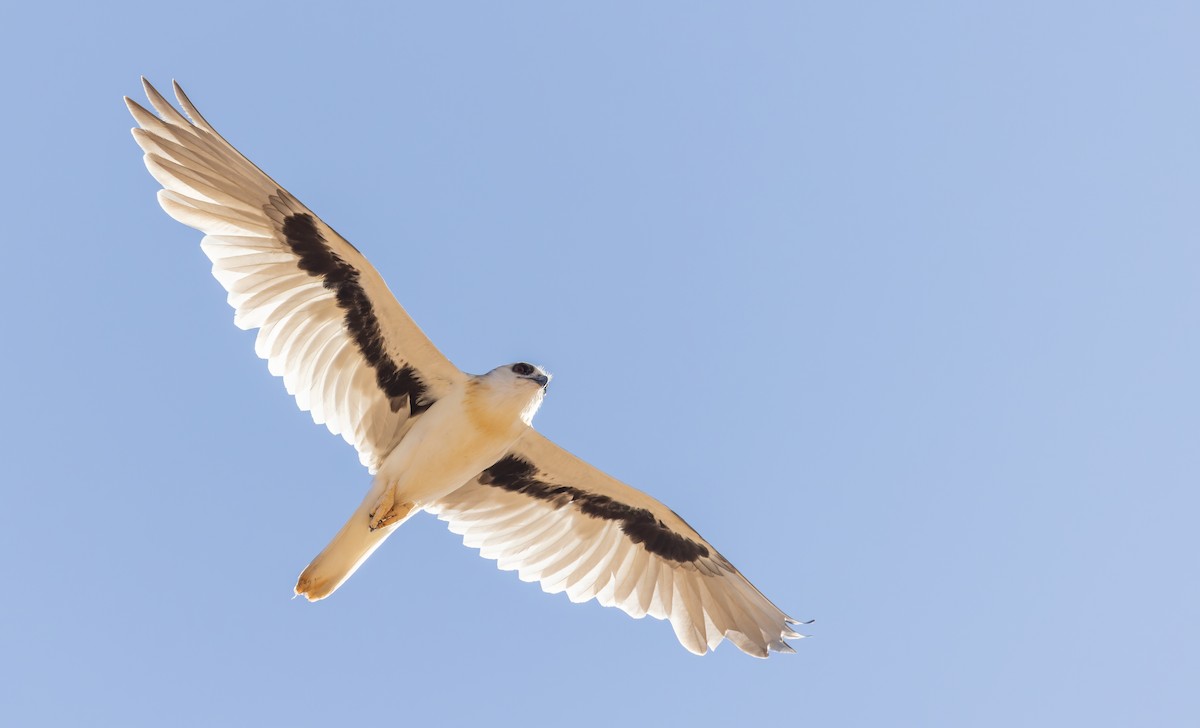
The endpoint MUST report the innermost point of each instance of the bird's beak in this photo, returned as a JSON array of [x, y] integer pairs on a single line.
[[542, 380]]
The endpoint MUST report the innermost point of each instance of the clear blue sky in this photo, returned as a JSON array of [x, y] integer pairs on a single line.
[[897, 303]]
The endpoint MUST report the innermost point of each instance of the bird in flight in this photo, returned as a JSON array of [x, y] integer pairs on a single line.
[[456, 445]]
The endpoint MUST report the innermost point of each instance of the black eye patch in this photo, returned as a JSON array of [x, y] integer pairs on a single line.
[[522, 369]]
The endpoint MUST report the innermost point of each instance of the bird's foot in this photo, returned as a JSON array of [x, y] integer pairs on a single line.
[[387, 511]]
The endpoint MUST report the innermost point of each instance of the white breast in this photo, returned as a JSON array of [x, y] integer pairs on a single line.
[[462, 434]]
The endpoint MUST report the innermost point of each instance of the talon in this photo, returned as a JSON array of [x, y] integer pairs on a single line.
[[387, 511], [390, 517], [387, 501]]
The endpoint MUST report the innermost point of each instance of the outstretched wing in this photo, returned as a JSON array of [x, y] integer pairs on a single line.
[[327, 323], [554, 519]]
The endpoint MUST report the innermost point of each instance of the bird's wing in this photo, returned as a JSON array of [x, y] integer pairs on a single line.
[[554, 519], [327, 322]]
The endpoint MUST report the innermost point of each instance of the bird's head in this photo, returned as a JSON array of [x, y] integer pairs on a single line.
[[521, 384]]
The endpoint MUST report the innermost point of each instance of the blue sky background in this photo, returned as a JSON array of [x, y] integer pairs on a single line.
[[897, 303]]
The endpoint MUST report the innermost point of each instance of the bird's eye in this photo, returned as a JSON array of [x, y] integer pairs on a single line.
[[522, 369]]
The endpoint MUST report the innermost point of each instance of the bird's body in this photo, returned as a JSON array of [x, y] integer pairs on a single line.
[[459, 436], [459, 446]]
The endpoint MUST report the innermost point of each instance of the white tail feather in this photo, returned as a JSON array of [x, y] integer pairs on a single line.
[[346, 552]]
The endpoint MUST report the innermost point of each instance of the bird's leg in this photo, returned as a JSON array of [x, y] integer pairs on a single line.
[[387, 511]]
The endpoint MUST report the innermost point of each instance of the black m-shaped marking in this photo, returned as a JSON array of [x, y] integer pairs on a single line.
[[401, 384], [518, 475]]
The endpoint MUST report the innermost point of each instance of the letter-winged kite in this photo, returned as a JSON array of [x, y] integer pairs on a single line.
[[438, 440]]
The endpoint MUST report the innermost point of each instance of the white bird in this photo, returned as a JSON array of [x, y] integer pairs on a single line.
[[436, 439]]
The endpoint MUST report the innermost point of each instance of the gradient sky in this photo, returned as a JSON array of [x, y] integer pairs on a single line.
[[896, 303]]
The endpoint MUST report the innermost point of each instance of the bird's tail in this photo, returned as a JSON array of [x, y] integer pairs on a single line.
[[349, 548]]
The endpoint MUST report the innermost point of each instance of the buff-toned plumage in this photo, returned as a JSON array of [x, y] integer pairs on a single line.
[[437, 440]]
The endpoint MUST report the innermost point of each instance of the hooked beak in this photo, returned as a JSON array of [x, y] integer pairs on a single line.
[[542, 380]]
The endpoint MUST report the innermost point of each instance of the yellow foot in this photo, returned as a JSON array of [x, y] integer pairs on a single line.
[[387, 511]]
